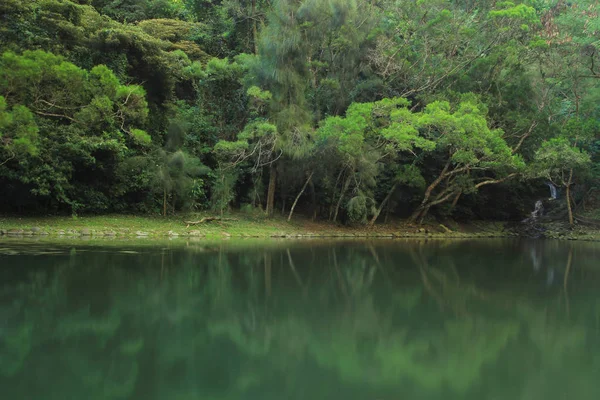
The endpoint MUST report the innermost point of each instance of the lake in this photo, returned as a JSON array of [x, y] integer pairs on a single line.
[[314, 319]]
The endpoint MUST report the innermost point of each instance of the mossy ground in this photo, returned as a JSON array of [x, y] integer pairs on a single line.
[[244, 225], [258, 226], [559, 230]]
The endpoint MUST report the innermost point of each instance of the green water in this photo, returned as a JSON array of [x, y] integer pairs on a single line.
[[379, 320]]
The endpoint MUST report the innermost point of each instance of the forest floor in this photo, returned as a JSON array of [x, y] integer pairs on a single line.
[[245, 226]]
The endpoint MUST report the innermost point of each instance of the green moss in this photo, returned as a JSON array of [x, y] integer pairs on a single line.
[[123, 227]]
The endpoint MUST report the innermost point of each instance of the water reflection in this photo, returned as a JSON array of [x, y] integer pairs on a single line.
[[298, 320]]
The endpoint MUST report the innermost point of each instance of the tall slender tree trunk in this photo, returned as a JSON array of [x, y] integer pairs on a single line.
[[313, 200], [222, 185], [299, 194], [337, 207], [383, 203], [271, 191], [164, 202], [568, 195], [255, 195], [331, 208]]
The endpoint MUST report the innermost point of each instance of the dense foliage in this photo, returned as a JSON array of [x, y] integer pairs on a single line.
[[351, 110]]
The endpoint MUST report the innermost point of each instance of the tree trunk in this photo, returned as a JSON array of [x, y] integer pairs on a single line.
[[299, 194], [313, 200], [441, 198], [423, 214], [416, 215], [164, 202], [383, 203], [568, 195], [337, 207], [255, 195], [222, 185], [455, 201], [271, 192], [387, 212], [334, 193]]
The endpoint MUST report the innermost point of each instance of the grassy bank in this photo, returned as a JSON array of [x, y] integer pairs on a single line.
[[244, 226], [239, 225]]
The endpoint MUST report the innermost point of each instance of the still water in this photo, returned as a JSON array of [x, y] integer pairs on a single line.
[[378, 320]]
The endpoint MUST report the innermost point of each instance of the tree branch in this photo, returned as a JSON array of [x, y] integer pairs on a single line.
[[208, 219], [494, 181], [57, 115]]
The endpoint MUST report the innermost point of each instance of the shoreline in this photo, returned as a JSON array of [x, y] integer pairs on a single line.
[[116, 227]]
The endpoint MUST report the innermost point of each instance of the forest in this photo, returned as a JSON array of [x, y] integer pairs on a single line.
[[349, 111]]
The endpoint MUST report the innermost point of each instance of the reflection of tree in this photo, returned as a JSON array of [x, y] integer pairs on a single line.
[[51, 335], [220, 324]]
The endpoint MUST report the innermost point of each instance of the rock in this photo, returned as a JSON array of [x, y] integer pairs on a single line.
[[2, 232], [43, 233], [86, 232], [15, 232], [171, 233], [196, 233], [110, 233], [36, 230], [227, 235], [140, 233], [61, 232]]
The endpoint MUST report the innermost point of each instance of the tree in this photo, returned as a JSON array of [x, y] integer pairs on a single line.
[[369, 136], [137, 10], [468, 151], [562, 159], [257, 145], [178, 175], [568, 63], [427, 46], [298, 64], [87, 122], [451, 145], [18, 132]]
